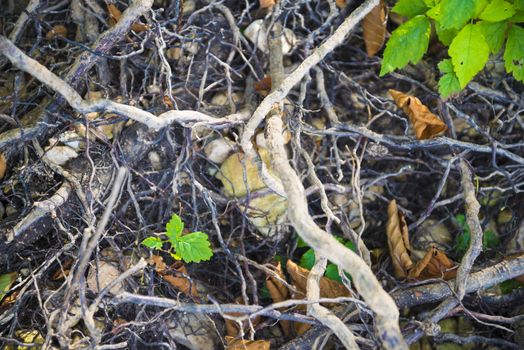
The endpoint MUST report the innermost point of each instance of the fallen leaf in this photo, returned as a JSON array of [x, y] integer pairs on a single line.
[[56, 31], [3, 165], [178, 279], [374, 29], [264, 4], [398, 240], [63, 271], [101, 275], [60, 154], [168, 102], [425, 124], [439, 266], [328, 288], [279, 292], [115, 14], [263, 87], [243, 344], [232, 327], [341, 3]]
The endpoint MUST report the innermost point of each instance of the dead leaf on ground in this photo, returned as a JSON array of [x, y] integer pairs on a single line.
[[264, 4], [3, 165], [279, 292], [56, 31], [374, 29], [177, 278], [232, 327], [243, 344], [398, 241], [328, 288], [115, 14], [425, 124], [435, 264], [263, 87], [341, 3]]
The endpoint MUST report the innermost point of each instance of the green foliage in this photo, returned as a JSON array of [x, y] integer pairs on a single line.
[[6, 281], [192, 247], [408, 43], [307, 260], [489, 241], [508, 286], [472, 29]]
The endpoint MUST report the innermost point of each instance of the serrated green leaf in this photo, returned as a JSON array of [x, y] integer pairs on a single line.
[[153, 242], [517, 18], [6, 281], [174, 228], [445, 66], [434, 12], [332, 273], [514, 52], [430, 3], [408, 43], [519, 4], [497, 10], [469, 53], [307, 260], [175, 256], [445, 36], [480, 5], [455, 13], [490, 239], [494, 33], [409, 8], [194, 247], [448, 84]]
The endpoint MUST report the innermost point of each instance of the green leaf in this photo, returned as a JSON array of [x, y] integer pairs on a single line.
[[497, 10], [307, 260], [153, 242], [332, 273], [455, 13], [445, 35], [445, 66], [301, 243], [6, 281], [448, 84], [480, 5], [508, 286], [490, 239], [494, 33], [517, 18], [469, 53], [409, 8], [519, 4], [174, 228], [408, 43], [514, 53], [194, 247]]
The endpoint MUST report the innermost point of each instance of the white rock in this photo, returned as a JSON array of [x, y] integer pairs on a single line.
[[256, 32], [218, 150], [60, 154], [71, 139]]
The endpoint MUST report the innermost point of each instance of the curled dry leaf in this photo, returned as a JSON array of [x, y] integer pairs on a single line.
[[242, 344], [264, 4], [341, 3], [328, 288], [398, 241], [425, 124], [279, 292], [3, 165], [56, 31], [374, 29], [263, 87], [115, 15], [435, 264], [179, 279], [232, 327]]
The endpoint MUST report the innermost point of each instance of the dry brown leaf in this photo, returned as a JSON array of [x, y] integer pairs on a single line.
[[3, 165], [115, 14], [328, 288], [264, 4], [425, 124], [435, 264], [279, 292], [58, 30], [374, 29], [263, 87], [341, 3], [242, 344], [232, 327], [398, 240], [178, 279]]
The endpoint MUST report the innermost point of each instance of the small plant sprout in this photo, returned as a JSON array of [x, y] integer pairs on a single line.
[[192, 247]]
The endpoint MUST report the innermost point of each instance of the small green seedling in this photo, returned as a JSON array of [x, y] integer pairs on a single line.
[[489, 240], [192, 247], [307, 260]]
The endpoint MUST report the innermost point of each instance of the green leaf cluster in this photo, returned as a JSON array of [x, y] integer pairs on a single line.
[[472, 29], [192, 247], [307, 260], [489, 241]]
